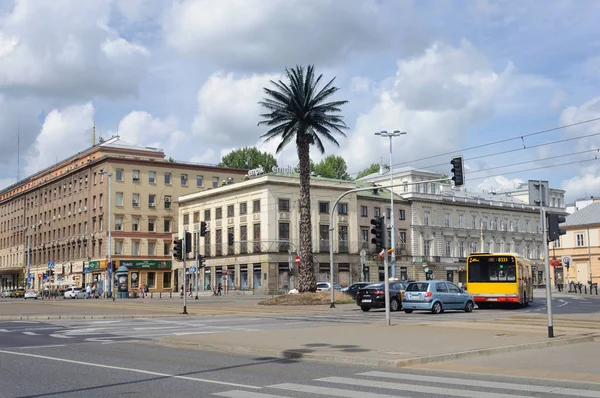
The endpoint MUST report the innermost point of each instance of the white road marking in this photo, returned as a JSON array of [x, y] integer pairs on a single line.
[[120, 368], [245, 394], [31, 333], [60, 336], [4, 331], [25, 322], [43, 346], [330, 392]]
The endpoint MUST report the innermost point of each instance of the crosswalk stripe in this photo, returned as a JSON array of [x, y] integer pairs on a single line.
[[31, 333], [485, 384], [330, 392], [414, 388], [245, 394], [60, 336]]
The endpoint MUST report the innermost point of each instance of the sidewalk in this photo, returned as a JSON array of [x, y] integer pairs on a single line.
[[396, 345]]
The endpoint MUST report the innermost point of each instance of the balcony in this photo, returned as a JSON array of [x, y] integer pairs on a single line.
[[273, 246]]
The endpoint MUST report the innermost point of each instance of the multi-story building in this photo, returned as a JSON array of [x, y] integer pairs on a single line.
[[579, 204], [581, 245], [64, 212], [448, 224], [262, 214]]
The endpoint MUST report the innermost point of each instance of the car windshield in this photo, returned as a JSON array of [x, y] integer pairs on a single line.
[[322, 285], [417, 287], [374, 286]]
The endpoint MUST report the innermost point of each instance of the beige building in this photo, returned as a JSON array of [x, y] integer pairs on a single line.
[[64, 211], [580, 245], [262, 215]]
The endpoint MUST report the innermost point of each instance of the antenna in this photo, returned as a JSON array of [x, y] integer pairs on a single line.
[[18, 148], [94, 135]]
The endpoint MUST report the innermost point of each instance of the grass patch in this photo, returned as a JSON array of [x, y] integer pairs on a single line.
[[308, 299]]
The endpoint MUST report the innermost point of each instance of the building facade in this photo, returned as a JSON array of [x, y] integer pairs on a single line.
[[262, 215], [62, 214]]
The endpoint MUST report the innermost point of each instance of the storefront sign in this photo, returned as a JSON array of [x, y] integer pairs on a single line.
[[59, 268], [156, 264], [451, 268], [135, 280], [275, 170], [97, 265], [77, 268]]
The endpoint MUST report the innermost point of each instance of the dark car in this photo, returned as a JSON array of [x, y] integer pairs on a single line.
[[353, 288], [373, 296]]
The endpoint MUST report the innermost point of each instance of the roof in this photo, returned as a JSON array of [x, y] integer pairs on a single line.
[[589, 215], [118, 143], [398, 170]]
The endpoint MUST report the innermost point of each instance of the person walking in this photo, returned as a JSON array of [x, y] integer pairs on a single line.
[[88, 290]]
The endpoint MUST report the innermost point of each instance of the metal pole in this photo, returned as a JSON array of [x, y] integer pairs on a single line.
[[332, 305], [109, 276], [197, 262], [392, 216], [547, 272], [184, 255], [589, 259], [387, 288], [29, 263]]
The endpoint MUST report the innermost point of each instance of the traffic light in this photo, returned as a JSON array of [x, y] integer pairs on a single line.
[[230, 238], [188, 242], [50, 272], [553, 222], [379, 233], [201, 262], [178, 249], [202, 228], [457, 171]]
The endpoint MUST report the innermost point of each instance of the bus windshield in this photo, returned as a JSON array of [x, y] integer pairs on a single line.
[[492, 269]]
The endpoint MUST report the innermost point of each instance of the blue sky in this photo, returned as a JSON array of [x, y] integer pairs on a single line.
[[186, 76]]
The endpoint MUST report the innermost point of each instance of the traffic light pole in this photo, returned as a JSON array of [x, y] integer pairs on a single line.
[[197, 262], [547, 272], [184, 255]]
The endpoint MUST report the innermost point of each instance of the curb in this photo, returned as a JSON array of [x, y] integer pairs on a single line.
[[79, 317], [300, 355]]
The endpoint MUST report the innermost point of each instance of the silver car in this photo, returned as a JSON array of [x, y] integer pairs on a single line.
[[436, 296]]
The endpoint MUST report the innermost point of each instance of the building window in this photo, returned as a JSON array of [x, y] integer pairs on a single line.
[[256, 206], [219, 241], [196, 217], [364, 211], [166, 249], [579, 238], [243, 208], [207, 215], [118, 247], [136, 176], [152, 280], [284, 204], [167, 225], [184, 180], [474, 222], [166, 280], [495, 223], [135, 200], [343, 208], [186, 218], [448, 248], [151, 200], [402, 237], [230, 211], [323, 237], [284, 235], [119, 175], [461, 249], [402, 214], [118, 224], [215, 182], [167, 178], [256, 238], [135, 248], [167, 202], [243, 239], [199, 181], [377, 211], [152, 177], [151, 248], [364, 237], [151, 222], [426, 217], [118, 200], [135, 224], [556, 243], [343, 239], [324, 207], [427, 248], [447, 220], [218, 213]]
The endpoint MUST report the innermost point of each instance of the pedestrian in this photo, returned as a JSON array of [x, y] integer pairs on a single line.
[[88, 290]]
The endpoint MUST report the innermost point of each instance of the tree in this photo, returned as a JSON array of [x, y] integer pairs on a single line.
[[373, 168], [248, 158], [296, 110], [332, 167]]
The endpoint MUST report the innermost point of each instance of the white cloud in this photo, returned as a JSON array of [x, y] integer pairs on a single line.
[[68, 125], [64, 48], [499, 183], [585, 184], [142, 128], [267, 33]]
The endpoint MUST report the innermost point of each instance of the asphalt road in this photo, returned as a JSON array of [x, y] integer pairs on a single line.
[[146, 370]]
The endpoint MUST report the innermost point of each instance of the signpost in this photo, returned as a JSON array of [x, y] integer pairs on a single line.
[[193, 269], [297, 260]]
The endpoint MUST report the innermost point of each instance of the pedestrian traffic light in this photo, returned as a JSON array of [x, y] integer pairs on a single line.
[[188, 242], [553, 222], [50, 272], [201, 262], [457, 171], [178, 249], [230, 238], [379, 233], [202, 228]]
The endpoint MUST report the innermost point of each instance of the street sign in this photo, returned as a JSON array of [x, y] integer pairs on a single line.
[[297, 260], [193, 268], [50, 264], [566, 261], [86, 270], [39, 275]]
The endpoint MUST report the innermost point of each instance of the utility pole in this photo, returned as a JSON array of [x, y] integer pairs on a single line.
[[184, 255], [197, 254]]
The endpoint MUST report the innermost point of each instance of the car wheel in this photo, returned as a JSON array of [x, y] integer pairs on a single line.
[[394, 305], [365, 309], [408, 311], [436, 308], [469, 306]]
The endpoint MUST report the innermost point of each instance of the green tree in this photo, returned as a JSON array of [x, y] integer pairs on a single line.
[[332, 167], [373, 168], [297, 111], [248, 158]]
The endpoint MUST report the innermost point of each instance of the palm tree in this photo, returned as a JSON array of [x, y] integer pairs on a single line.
[[296, 110]]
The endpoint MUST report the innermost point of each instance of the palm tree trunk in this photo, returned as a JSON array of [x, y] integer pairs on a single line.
[[306, 271]]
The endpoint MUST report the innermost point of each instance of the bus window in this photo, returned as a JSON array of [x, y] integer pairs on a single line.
[[490, 269]]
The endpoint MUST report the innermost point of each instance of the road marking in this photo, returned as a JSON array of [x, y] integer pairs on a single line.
[[25, 322], [440, 391], [4, 331], [245, 394], [120, 368], [331, 392], [44, 346], [31, 333], [482, 383], [60, 336]]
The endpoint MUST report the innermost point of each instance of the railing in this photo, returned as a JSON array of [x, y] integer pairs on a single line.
[[249, 247]]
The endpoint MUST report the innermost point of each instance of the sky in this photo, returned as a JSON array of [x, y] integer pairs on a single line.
[[473, 78]]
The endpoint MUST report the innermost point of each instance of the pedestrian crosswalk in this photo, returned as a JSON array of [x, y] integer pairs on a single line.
[[383, 384]]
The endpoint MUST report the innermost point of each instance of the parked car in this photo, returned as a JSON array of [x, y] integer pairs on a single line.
[[31, 294], [6, 293], [74, 293], [18, 293], [436, 296], [353, 288], [326, 287], [373, 296]]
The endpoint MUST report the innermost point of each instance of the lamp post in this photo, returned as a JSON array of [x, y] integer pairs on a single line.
[[396, 133], [27, 258], [109, 277]]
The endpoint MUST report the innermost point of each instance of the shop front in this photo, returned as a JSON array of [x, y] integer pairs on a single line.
[[97, 274], [155, 274]]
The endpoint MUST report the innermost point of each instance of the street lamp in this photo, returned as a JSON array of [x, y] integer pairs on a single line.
[[396, 133], [109, 265], [28, 262]]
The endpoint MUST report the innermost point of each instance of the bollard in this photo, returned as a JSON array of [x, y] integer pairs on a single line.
[[579, 287], [585, 289], [596, 286], [171, 294], [151, 294], [160, 295]]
